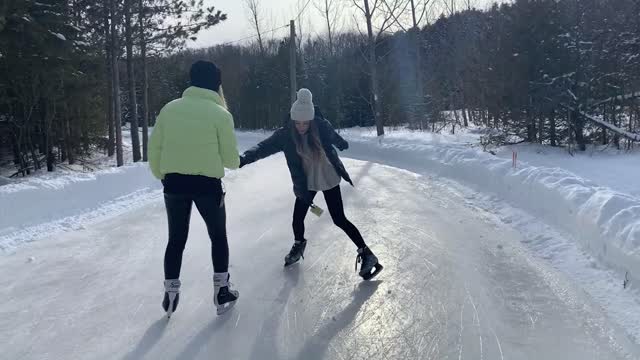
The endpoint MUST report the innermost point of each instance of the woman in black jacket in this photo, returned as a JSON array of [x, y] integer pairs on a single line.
[[308, 144]]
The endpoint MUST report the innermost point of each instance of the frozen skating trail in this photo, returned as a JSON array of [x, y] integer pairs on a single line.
[[456, 284]]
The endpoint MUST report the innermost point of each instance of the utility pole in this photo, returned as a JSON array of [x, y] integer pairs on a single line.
[[292, 61]]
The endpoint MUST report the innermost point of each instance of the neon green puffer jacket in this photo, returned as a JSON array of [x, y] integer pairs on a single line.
[[194, 135]]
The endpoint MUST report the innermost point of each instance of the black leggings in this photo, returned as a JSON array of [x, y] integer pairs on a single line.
[[212, 209], [333, 197]]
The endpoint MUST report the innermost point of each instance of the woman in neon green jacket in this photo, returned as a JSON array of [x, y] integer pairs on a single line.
[[191, 144]]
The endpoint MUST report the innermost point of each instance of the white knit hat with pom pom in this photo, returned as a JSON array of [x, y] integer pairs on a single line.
[[302, 109]]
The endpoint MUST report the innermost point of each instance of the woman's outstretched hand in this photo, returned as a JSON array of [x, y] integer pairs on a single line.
[[343, 146]]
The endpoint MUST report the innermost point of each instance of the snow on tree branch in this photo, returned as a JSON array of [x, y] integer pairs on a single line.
[[59, 36], [629, 135], [617, 130], [618, 98]]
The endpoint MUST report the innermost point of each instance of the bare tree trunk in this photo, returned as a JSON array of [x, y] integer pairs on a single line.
[[253, 6], [531, 127], [540, 128], [633, 116], [34, 157], [293, 75], [133, 103], [578, 127], [16, 150], [34, 154], [615, 122], [328, 10], [419, 107], [116, 83], [46, 132], [457, 121], [552, 129], [418, 65], [145, 84], [64, 137], [465, 118], [71, 155], [111, 142], [373, 73], [327, 4]]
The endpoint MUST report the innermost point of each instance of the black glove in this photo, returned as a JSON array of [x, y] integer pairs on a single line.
[[343, 146], [243, 161]]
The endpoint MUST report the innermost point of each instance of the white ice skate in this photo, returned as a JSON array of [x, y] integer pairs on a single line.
[[223, 298]]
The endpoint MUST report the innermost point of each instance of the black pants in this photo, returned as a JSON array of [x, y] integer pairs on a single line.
[[333, 197], [211, 207]]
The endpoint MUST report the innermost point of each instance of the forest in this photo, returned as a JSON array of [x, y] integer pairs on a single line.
[[561, 73]]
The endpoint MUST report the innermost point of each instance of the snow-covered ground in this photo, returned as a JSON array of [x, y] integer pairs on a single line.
[[483, 261], [618, 170]]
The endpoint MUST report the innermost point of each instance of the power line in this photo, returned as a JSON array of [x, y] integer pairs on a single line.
[[254, 36], [270, 31]]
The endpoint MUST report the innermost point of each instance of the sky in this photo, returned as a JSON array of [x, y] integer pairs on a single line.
[[277, 13]]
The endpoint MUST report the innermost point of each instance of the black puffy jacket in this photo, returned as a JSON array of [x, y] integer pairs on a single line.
[[281, 140]]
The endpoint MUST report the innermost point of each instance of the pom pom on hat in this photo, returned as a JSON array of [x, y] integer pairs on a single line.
[[305, 96], [303, 109]]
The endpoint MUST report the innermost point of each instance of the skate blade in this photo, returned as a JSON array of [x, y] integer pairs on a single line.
[[287, 263], [221, 309], [170, 311], [170, 308], [377, 268]]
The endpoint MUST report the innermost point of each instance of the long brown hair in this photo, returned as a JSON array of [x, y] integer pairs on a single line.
[[317, 151], [224, 101]]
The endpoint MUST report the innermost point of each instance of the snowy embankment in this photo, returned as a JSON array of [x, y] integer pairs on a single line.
[[49, 202], [605, 222], [37, 206], [68, 198]]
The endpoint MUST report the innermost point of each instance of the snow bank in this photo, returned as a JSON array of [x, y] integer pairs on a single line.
[[43, 200], [607, 166], [47, 202], [603, 221]]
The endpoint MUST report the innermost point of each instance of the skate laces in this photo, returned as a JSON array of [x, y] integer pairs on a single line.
[[358, 261]]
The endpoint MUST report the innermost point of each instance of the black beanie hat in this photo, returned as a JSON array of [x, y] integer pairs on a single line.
[[205, 74]]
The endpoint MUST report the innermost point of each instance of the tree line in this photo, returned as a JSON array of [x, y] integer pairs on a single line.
[[73, 71], [562, 73]]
